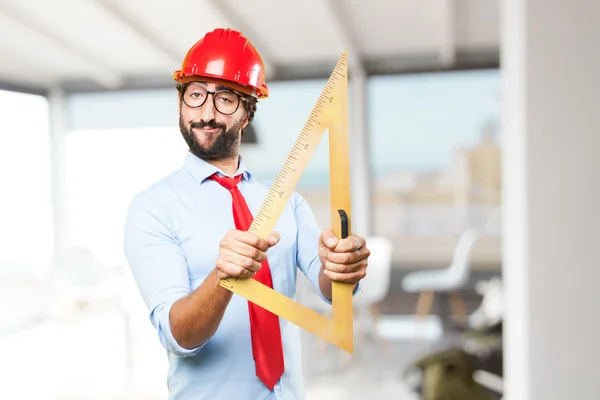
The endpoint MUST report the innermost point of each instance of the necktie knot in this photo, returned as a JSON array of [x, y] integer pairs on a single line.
[[225, 181]]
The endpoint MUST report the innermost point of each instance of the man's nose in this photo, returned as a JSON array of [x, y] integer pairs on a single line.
[[207, 111]]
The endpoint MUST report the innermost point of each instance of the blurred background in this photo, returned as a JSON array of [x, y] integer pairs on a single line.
[[440, 131]]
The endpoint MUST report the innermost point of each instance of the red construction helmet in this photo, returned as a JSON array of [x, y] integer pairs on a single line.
[[225, 54]]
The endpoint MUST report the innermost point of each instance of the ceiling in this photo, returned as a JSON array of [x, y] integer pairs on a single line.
[[90, 45]]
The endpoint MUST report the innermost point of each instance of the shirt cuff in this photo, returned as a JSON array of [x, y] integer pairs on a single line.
[[163, 326]]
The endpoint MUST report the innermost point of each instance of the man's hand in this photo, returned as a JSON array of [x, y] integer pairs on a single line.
[[343, 260], [241, 253]]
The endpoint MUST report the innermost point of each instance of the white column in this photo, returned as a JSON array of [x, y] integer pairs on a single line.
[[360, 157], [551, 170], [58, 130]]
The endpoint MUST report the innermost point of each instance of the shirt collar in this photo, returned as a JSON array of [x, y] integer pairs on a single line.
[[200, 169]]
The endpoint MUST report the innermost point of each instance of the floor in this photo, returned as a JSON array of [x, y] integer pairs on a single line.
[[54, 351], [84, 359]]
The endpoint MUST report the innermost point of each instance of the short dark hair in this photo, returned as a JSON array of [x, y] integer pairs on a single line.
[[248, 102]]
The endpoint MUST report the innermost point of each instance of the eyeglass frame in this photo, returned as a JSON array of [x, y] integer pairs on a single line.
[[208, 92]]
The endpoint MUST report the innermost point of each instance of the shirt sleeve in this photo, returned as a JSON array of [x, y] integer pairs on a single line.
[[307, 256], [157, 263]]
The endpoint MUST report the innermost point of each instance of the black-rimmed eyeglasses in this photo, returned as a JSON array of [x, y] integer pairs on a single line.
[[225, 101]]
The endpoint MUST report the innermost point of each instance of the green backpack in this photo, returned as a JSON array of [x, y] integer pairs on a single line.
[[448, 375]]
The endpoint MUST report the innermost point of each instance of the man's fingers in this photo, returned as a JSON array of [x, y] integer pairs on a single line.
[[241, 253], [246, 250], [252, 239], [344, 268], [242, 261], [347, 257], [352, 277], [234, 270], [346, 261]]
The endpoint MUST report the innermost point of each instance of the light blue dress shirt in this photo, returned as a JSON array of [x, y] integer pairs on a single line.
[[171, 241]]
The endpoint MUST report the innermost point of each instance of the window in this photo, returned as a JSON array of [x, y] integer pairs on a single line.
[[435, 151], [26, 237], [105, 170]]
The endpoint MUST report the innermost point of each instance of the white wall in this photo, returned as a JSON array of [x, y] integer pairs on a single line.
[[551, 59]]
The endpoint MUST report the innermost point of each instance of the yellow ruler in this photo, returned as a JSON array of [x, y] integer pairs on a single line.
[[329, 113]]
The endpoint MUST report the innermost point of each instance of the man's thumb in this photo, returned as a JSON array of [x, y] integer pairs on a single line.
[[329, 238], [273, 239]]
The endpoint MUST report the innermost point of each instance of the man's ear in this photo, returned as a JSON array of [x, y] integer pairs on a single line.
[[245, 121]]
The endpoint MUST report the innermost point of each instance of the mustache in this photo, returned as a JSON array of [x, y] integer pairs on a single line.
[[212, 124]]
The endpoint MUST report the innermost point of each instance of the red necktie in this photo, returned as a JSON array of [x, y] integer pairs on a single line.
[[264, 325]]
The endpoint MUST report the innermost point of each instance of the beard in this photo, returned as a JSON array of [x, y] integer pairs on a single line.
[[225, 145]]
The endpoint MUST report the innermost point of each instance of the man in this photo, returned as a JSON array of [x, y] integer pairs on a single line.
[[189, 230]]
